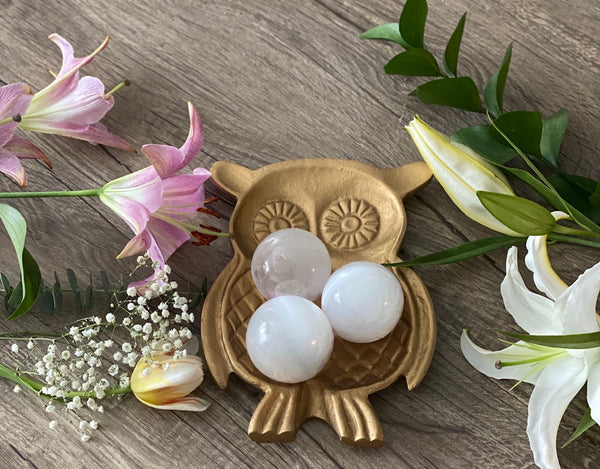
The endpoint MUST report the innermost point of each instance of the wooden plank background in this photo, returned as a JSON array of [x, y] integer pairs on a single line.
[[282, 80]]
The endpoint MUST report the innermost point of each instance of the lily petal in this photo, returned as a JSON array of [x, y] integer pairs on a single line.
[[189, 403], [14, 99], [167, 159], [25, 150], [538, 262], [556, 386], [134, 196], [486, 360], [531, 311], [94, 133], [576, 307], [593, 389], [11, 166], [137, 244], [67, 77]]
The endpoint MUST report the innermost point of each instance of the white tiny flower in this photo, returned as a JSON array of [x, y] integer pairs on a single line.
[[113, 370], [85, 437], [83, 425], [126, 347], [110, 318], [131, 291], [130, 306], [147, 329], [53, 424], [30, 345], [65, 354], [118, 356], [94, 424], [97, 320], [50, 408], [126, 321], [17, 389]]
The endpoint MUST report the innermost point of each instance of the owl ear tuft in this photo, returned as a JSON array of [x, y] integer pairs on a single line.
[[407, 179], [232, 177]]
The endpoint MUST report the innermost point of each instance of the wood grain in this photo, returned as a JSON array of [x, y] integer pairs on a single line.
[[275, 81]]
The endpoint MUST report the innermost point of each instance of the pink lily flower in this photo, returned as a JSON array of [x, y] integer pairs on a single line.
[[72, 106], [157, 203], [167, 227], [14, 100]]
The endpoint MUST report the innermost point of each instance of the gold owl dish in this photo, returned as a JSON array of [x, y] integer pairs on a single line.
[[357, 211]]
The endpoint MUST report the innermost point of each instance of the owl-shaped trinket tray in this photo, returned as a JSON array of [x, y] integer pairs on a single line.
[[357, 211]]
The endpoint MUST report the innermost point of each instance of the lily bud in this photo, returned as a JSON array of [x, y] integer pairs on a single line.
[[462, 173], [164, 382]]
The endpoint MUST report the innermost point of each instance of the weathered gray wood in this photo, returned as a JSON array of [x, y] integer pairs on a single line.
[[275, 81]]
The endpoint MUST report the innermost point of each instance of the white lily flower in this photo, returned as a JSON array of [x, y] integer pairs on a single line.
[[558, 374], [462, 172]]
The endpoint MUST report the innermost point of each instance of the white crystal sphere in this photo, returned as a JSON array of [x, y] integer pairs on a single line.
[[291, 262], [363, 301], [289, 339]]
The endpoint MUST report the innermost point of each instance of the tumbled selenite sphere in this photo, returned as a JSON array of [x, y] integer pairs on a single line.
[[363, 301], [291, 262], [289, 339]]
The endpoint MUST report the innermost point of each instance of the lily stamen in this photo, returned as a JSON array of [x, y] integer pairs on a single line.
[[8, 120], [125, 82]]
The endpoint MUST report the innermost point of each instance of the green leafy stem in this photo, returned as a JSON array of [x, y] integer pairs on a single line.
[[529, 133]]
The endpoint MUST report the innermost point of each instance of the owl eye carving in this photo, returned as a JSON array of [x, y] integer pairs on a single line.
[[349, 224], [278, 215]]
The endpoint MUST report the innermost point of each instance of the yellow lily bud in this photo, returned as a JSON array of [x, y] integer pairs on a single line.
[[461, 172], [164, 382]]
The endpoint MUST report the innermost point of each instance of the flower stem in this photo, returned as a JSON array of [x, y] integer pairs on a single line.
[[573, 231], [561, 238], [27, 195], [37, 386]]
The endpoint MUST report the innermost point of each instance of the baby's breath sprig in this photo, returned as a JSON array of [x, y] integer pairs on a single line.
[[92, 359]]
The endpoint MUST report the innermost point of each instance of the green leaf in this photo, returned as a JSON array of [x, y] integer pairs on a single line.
[[88, 301], [570, 341], [523, 128], [462, 252], [200, 295], [57, 292], [577, 191], [16, 226], [480, 139], [47, 301], [32, 280], [585, 424], [459, 92], [594, 198], [15, 298], [521, 215], [494, 89], [553, 132], [453, 47], [553, 199], [72, 278], [412, 22], [413, 62], [386, 32], [105, 283]]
